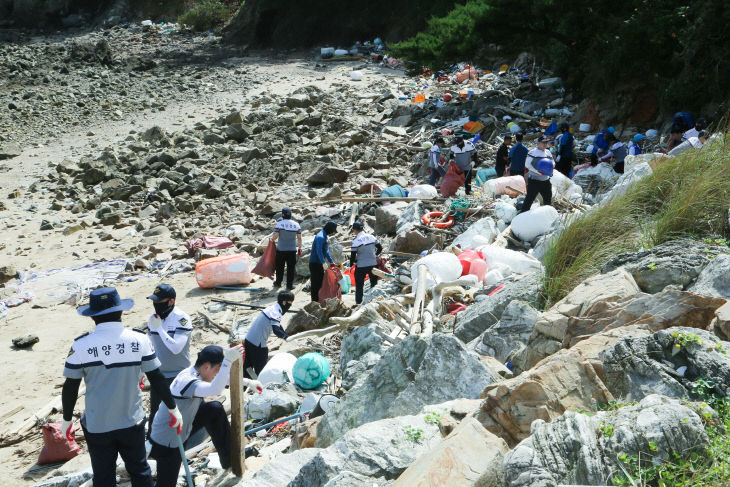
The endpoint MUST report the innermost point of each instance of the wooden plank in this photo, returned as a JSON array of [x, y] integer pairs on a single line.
[[238, 438], [367, 199]]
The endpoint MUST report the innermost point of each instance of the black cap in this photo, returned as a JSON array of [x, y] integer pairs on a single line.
[[357, 226], [286, 212], [542, 138], [212, 354], [162, 292], [103, 301], [330, 227]]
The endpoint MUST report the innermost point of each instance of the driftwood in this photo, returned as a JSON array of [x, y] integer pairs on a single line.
[[420, 302]]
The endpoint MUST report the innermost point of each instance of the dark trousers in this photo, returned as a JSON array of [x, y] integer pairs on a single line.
[[618, 167], [256, 357], [436, 174], [317, 272], [467, 183], [288, 257], [127, 442], [155, 400], [535, 187], [360, 273], [500, 167], [210, 416]]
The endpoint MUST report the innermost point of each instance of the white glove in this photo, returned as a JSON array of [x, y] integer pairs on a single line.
[[67, 428], [176, 420], [234, 353], [254, 384], [155, 323]]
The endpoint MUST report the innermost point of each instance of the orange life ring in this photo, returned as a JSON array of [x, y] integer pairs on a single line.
[[428, 217]]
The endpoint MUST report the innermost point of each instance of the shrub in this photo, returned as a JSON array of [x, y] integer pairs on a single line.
[[204, 15]]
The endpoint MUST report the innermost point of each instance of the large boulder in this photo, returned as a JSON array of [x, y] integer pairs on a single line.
[[561, 382], [577, 449], [509, 335], [360, 341], [387, 216], [551, 328], [469, 456], [327, 175], [676, 262], [484, 314], [377, 451], [714, 280], [638, 366], [416, 241], [415, 372], [281, 470], [410, 217]]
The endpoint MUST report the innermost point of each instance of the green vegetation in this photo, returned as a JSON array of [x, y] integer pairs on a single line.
[[433, 418], [205, 15], [682, 339], [413, 434], [685, 196], [672, 48], [699, 469]]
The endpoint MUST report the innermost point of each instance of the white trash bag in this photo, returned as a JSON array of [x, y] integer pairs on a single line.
[[442, 267], [481, 232], [531, 224]]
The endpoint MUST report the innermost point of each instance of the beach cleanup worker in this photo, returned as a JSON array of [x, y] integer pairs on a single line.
[[700, 125], [675, 137], [565, 150], [618, 151], [169, 329], [502, 162], [463, 152], [600, 145], [692, 142], [517, 156], [208, 377], [255, 344], [363, 254], [540, 164], [288, 238], [637, 145], [318, 258], [111, 360], [436, 170]]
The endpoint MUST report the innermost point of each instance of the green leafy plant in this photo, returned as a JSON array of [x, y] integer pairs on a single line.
[[652, 266], [683, 339], [433, 418], [606, 429], [413, 434], [204, 15]]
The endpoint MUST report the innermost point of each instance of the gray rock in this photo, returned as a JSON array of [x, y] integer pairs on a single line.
[[416, 241], [482, 315], [75, 479], [635, 367], [233, 118], [248, 154], [387, 217], [155, 231], [282, 469], [677, 262], [238, 132], [7, 273], [327, 175], [299, 100], [26, 341], [360, 341], [410, 217], [509, 335], [8, 151], [415, 372], [276, 401], [584, 450], [379, 450], [714, 280], [213, 138], [355, 369]]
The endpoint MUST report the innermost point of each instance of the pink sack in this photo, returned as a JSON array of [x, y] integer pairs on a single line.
[[330, 285], [207, 242], [266, 266], [452, 181], [56, 447]]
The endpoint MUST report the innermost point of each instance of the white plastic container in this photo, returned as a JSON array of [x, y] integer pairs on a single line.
[[278, 369], [442, 266], [652, 133], [584, 127], [531, 224], [341, 52], [356, 75], [327, 51]]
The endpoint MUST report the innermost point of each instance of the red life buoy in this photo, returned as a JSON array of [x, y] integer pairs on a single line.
[[428, 220]]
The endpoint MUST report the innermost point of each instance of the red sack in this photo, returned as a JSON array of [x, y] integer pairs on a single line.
[[330, 285], [56, 447], [266, 266], [383, 266], [452, 181]]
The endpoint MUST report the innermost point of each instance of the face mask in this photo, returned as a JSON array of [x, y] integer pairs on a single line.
[[163, 310], [284, 307]]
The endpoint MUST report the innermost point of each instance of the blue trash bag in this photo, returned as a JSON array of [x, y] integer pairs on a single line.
[[311, 370], [484, 175], [395, 191]]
